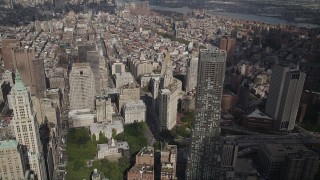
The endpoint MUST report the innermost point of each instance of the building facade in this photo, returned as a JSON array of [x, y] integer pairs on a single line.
[[169, 162], [192, 72], [104, 109], [134, 111], [12, 164], [26, 128], [82, 86], [143, 168], [284, 96], [204, 161]]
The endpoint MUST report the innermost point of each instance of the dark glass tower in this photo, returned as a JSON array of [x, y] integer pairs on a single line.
[[204, 160]]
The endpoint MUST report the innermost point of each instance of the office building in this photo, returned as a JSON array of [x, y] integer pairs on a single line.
[[8, 44], [31, 70], [12, 164], [192, 72], [228, 44], [123, 79], [134, 111], [169, 92], [169, 162], [288, 161], [205, 154], [82, 87], [143, 168], [104, 109], [118, 67], [300, 165], [26, 128], [128, 92], [284, 96]]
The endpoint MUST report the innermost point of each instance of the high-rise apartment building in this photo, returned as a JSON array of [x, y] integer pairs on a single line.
[[205, 155], [26, 128], [168, 96], [31, 70], [192, 70], [228, 44], [12, 164], [8, 44], [284, 96], [82, 87]]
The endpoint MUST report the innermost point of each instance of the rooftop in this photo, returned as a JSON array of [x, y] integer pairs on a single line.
[[146, 151], [8, 144]]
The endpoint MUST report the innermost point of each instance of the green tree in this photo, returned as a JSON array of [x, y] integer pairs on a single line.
[[102, 138], [94, 138], [114, 133]]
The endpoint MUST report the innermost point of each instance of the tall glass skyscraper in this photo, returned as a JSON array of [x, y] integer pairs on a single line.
[[204, 160]]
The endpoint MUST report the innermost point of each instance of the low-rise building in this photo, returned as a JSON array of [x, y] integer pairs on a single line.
[[112, 150], [144, 166], [82, 117], [106, 128], [258, 120], [169, 162]]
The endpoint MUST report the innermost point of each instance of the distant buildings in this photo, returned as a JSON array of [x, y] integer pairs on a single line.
[[123, 78], [113, 150], [118, 67], [31, 69], [284, 96], [169, 156], [8, 44], [205, 154], [12, 162], [82, 86], [228, 44], [143, 168], [134, 111]]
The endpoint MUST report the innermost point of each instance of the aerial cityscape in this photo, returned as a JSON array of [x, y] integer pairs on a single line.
[[160, 90]]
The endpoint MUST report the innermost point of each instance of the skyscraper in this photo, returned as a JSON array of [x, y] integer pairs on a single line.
[[82, 87], [205, 159], [192, 70], [284, 95], [12, 165], [31, 70], [169, 94], [26, 128]]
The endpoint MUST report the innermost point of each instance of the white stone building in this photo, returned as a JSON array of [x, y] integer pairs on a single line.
[[106, 128], [134, 111], [81, 117], [113, 150], [122, 79]]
